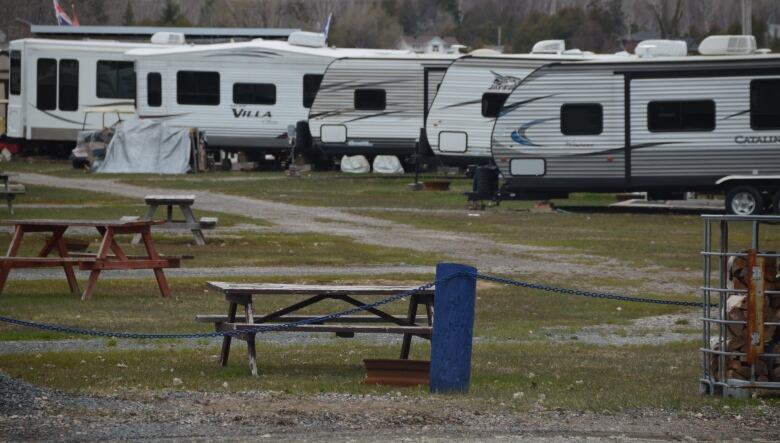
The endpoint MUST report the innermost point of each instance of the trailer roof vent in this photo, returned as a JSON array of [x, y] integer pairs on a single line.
[[728, 45], [484, 52], [168, 38], [661, 48], [549, 47], [308, 39]]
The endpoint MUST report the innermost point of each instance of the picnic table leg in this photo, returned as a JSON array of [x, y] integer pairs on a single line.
[[62, 248], [165, 290], [105, 246], [9, 201], [196, 232], [149, 216], [250, 339], [226, 339], [406, 344], [13, 249]]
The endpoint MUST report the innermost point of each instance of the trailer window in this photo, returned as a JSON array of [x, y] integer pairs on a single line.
[[197, 88], [370, 99], [492, 102], [154, 89], [764, 96], [698, 115], [115, 79], [582, 119], [47, 84], [254, 94], [16, 73], [311, 84], [69, 85]]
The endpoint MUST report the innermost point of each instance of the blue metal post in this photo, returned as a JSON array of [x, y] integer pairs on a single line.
[[453, 328]]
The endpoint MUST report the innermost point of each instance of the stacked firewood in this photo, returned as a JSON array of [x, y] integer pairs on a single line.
[[737, 340]]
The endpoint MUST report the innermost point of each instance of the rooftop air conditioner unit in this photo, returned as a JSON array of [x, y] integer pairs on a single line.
[[168, 38], [661, 48], [549, 47], [308, 39], [728, 45]]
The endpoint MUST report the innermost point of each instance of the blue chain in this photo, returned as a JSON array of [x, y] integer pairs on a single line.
[[603, 295], [255, 330], [263, 329]]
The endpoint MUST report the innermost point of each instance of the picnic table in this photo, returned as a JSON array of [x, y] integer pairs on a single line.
[[7, 192], [103, 260], [374, 321], [184, 202]]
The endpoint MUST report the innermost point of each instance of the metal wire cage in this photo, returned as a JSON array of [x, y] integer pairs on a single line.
[[741, 321]]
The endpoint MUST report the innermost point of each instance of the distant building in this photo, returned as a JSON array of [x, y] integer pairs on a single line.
[[427, 44]]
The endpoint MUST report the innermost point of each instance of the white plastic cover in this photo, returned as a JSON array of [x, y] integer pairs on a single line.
[[355, 165], [387, 164], [147, 146]]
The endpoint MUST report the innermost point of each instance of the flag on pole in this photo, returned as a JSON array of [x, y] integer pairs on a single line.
[[63, 19], [73, 16], [326, 27]]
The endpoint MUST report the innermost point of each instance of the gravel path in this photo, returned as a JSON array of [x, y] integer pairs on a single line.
[[29, 413], [486, 254]]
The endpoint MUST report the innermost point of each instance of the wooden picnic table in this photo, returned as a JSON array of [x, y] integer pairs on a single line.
[[184, 202], [7, 192], [375, 321], [103, 260]]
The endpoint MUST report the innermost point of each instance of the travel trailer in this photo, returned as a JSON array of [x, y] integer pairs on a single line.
[[375, 105], [664, 125], [52, 82], [245, 96], [472, 94], [4, 65]]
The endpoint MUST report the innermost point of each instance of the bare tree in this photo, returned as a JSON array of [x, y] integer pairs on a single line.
[[668, 14]]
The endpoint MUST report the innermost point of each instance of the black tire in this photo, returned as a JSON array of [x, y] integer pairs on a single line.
[[776, 202], [744, 200]]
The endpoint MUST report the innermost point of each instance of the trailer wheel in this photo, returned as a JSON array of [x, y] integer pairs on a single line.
[[744, 200], [776, 202]]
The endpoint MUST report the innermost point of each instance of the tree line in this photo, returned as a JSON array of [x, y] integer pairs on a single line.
[[596, 25]]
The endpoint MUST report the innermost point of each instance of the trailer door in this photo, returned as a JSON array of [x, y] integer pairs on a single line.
[[433, 79]]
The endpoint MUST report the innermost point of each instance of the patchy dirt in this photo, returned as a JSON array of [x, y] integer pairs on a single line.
[[654, 330], [484, 253], [31, 413]]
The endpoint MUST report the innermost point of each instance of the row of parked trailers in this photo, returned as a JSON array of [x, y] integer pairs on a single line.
[[551, 123]]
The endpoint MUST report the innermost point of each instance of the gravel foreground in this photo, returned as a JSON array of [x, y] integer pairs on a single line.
[[30, 413]]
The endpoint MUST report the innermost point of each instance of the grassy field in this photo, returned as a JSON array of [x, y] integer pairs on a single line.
[[518, 361], [514, 362]]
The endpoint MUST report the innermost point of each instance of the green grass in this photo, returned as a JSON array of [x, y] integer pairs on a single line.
[[643, 240], [520, 376], [66, 203], [503, 313]]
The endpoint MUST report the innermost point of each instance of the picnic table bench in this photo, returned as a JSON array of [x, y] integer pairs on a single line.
[[9, 193], [184, 202], [100, 261], [376, 321]]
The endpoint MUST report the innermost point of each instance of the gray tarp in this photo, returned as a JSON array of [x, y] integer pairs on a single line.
[[147, 146]]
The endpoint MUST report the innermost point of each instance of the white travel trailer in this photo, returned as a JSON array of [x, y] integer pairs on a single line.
[[375, 105], [471, 96], [665, 125], [244, 96], [52, 82], [4, 64]]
